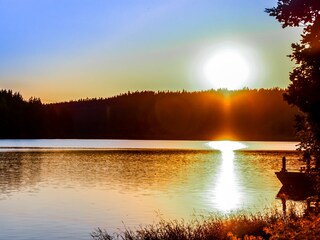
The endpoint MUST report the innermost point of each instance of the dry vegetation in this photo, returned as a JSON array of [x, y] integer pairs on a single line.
[[268, 226]]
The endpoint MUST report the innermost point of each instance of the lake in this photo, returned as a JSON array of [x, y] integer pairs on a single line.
[[64, 189]]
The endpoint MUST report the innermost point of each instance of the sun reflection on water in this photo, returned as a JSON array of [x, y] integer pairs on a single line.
[[225, 194]]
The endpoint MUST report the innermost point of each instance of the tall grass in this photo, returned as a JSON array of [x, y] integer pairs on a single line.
[[272, 225]]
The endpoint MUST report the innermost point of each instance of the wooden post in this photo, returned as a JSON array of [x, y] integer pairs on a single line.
[[283, 169]]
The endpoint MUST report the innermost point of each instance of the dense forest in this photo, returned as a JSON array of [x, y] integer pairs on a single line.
[[207, 115]]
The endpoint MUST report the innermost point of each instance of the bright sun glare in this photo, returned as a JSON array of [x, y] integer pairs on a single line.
[[225, 146], [227, 68]]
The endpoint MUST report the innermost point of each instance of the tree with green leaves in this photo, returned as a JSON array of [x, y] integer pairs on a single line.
[[304, 89]]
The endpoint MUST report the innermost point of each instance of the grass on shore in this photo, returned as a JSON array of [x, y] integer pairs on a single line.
[[271, 225]]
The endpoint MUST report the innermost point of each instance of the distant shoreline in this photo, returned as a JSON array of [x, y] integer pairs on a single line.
[[215, 114]]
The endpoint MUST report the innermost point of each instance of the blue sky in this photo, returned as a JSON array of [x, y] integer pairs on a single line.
[[70, 49]]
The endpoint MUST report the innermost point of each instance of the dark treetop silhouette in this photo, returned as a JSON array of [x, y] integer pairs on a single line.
[[208, 115], [304, 89]]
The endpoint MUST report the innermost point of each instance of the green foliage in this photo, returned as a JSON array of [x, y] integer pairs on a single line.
[[304, 89]]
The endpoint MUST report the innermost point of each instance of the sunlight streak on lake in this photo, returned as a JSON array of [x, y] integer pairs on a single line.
[[226, 195]]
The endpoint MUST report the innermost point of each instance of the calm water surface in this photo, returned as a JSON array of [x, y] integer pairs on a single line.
[[63, 189]]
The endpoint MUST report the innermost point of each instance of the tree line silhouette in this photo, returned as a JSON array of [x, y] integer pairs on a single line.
[[205, 115]]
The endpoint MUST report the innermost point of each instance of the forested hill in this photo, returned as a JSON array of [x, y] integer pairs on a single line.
[[208, 115]]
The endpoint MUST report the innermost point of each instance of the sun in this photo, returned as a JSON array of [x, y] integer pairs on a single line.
[[227, 69]]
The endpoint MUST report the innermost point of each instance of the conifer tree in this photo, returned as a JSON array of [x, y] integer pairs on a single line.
[[304, 89]]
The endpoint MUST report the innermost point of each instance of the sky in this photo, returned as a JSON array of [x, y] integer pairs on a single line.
[[72, 49]]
